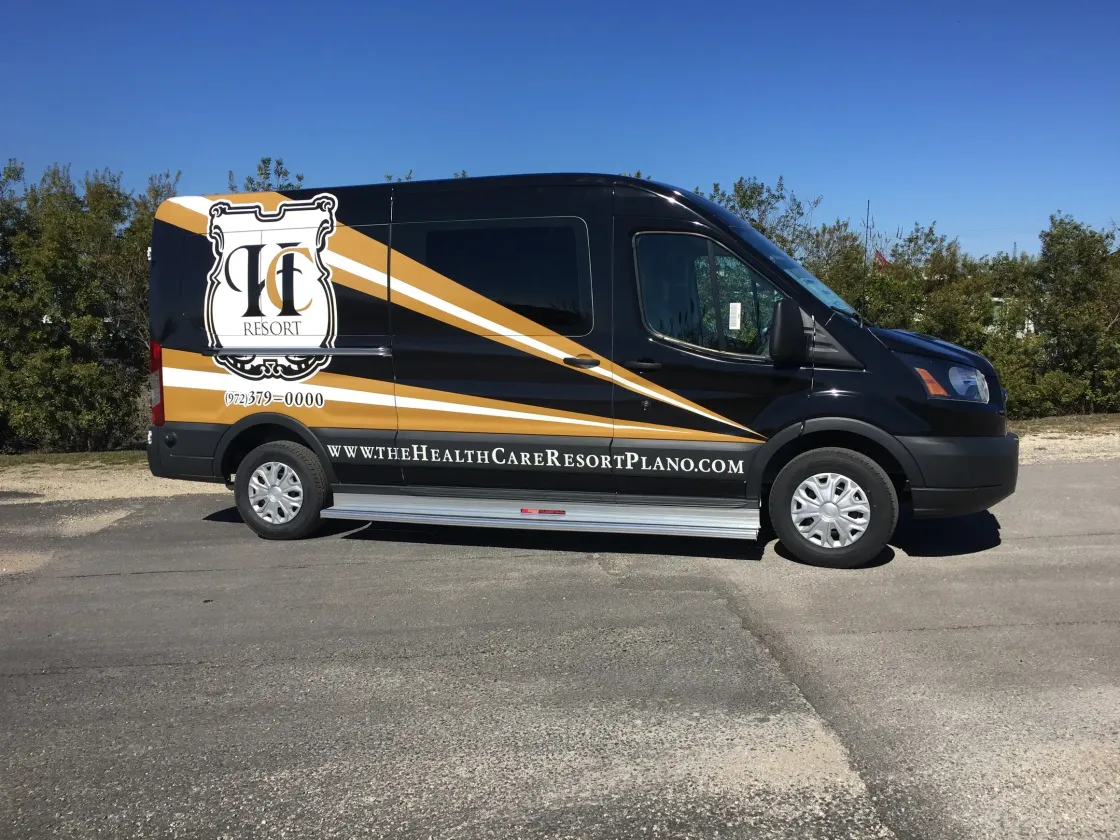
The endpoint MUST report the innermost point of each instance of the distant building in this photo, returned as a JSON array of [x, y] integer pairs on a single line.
[[1002, 314]]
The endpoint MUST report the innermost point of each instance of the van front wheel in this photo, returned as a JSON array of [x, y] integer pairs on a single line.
[[280, 489], [833, 507]]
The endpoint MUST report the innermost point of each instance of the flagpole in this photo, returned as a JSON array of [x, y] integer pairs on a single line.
[[867, 232], [866, 248]]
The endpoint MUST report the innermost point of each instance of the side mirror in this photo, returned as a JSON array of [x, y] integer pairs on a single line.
[[789, 346]]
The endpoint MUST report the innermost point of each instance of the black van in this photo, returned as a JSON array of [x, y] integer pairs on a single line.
[[574, 352]]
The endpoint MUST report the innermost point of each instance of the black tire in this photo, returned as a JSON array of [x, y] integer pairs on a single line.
[[881, 500], [313, 483]]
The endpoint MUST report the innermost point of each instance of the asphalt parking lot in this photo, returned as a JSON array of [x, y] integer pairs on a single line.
[[163, 672]]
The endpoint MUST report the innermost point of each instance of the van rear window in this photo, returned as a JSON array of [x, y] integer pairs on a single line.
[[539, 268]]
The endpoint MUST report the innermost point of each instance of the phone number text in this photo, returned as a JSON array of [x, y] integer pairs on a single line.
[[292, 399]]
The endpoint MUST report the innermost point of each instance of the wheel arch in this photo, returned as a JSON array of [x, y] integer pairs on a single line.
[[868, 439], [250, 432]]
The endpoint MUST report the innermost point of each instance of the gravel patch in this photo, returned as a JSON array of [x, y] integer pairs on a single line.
[[18, 562], [1042, 447], [83, 526], [56, 483]]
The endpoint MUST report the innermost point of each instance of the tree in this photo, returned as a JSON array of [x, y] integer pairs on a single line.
[[1078, 293], [71, 371], [775, 212], [271, 176]]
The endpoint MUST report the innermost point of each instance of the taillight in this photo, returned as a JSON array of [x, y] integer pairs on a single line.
[[155, 382]]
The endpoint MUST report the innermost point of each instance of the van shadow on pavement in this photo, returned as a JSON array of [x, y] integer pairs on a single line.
[[947, 537], [571, 541], [951, 537], [918, 538]]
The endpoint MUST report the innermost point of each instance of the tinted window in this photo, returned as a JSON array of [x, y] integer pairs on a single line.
[[536, 267], [697, 292]]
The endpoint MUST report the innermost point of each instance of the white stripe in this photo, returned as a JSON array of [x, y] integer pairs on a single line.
[[437, 405], [354, 267], [420, 295], [204, 381], [197, 203]]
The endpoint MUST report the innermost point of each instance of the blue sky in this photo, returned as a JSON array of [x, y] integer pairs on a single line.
[[982, 116]]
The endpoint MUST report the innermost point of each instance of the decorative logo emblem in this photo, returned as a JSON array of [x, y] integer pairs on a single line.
[[269, 288]]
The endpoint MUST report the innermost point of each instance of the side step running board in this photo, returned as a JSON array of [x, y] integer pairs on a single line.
[[734, 523]]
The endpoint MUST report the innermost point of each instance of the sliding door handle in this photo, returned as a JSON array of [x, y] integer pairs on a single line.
[[642, 364], [581, 362]]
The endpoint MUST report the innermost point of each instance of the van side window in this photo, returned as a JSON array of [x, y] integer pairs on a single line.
[[697, 292], [539, 268]]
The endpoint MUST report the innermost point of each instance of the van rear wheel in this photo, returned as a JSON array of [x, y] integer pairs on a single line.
[[280, 489], [833, 507]]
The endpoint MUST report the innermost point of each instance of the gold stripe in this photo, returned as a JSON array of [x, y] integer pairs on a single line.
[[180, 216], [550, 422], [189, 405], [268, 201], [360, 247], [341, 277]]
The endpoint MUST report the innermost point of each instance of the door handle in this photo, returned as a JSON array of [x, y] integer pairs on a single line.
[[581, 362], [642, 364]]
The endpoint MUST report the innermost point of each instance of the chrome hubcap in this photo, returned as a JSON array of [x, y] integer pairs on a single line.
[[275, 492], [830, 510]]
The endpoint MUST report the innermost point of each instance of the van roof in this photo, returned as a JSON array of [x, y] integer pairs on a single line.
[[694, 201], [526, 180]]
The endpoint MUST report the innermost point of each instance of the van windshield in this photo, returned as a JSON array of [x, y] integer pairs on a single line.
[[776, 255], [805, 278]]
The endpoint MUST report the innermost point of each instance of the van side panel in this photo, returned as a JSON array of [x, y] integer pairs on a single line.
[[515, 280]]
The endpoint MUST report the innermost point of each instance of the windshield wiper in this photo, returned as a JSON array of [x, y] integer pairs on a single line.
[[854, 314]]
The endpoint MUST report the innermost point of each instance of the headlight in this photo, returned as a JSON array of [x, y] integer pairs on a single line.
[[969, 383], [947, 381]]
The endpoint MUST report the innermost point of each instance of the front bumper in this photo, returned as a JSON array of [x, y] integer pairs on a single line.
[[962, 474]]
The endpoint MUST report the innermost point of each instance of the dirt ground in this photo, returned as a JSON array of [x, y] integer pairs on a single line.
[[1043, 447], [67, 482]]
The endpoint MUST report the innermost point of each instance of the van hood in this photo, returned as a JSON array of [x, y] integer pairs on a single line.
[[903, 341]]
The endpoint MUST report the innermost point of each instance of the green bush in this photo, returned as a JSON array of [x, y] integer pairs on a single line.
[[60, 404], [73, 309]]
